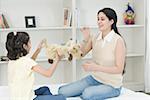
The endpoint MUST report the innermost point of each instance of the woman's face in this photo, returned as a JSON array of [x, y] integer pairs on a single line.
[[103, 22]]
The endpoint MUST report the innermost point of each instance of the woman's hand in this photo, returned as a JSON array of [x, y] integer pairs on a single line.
[[89, 66], [86, 33]]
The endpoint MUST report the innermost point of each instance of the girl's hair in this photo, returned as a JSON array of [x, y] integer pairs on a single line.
[[111, 15], [14, 44]]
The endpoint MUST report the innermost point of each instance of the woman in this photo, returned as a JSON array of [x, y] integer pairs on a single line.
[[107, 65]]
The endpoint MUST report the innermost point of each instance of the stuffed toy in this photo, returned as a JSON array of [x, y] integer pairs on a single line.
[[129, 15], [70, 50], [74, 49]]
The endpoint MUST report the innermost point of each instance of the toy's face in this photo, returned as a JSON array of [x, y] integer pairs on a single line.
[[76, 51], [130, 13]]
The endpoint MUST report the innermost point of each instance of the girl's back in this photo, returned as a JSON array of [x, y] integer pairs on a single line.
[[21, 78]]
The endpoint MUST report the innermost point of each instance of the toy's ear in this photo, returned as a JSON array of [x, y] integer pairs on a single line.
[[70, 57], [50, 61]]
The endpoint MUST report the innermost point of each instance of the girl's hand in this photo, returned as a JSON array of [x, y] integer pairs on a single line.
[[58, 55], [35, 54], [86, 33], [41, 44], [89, 66]]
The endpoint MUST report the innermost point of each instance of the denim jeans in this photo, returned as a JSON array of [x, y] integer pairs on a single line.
[[89, 89], [43, 93]]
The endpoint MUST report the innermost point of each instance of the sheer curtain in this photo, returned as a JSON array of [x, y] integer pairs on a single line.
[[147, 65]]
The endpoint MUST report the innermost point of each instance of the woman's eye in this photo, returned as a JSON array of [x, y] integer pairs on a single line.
[[102, 19]]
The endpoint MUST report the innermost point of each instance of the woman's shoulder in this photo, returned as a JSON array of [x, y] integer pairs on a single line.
[[119, 40], [118, 37]]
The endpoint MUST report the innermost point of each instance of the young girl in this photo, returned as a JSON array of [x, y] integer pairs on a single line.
[[107, 65], [21, 69]]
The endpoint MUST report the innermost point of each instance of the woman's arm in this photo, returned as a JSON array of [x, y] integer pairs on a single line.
[[120, 52], [86, 44]]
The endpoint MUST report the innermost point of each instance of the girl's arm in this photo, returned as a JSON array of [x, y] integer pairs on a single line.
[[35, 54], [47, 72]]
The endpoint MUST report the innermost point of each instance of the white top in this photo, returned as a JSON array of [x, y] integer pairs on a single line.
[[107, 38], [21, 78], [104, 54]]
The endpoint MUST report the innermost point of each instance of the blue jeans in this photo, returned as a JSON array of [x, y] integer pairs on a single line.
[[43, 93], [89, 89]]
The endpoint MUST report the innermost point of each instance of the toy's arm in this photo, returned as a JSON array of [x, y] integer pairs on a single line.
[[124, 15], [133, 15]]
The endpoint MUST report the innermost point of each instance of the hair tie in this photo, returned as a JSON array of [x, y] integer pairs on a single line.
[[15, 33]]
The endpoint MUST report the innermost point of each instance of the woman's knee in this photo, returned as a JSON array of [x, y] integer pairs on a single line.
[[89, 95], [63, 90], [86, 94], [100, 94], [69, 90]]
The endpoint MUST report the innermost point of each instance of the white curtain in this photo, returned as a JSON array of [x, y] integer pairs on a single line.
[[147, 65]]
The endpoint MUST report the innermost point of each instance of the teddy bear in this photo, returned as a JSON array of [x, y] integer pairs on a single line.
[[129, 15], [70, 50]]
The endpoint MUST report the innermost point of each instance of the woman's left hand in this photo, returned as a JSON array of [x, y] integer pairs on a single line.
[[89, 66]]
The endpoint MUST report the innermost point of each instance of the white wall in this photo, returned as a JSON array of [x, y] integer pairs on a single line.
[[147, 66]]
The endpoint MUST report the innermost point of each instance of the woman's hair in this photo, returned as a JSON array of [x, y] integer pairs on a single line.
[[111, 15], [14, 44]]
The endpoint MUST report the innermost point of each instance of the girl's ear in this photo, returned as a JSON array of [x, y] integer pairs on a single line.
[[25, 46]]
